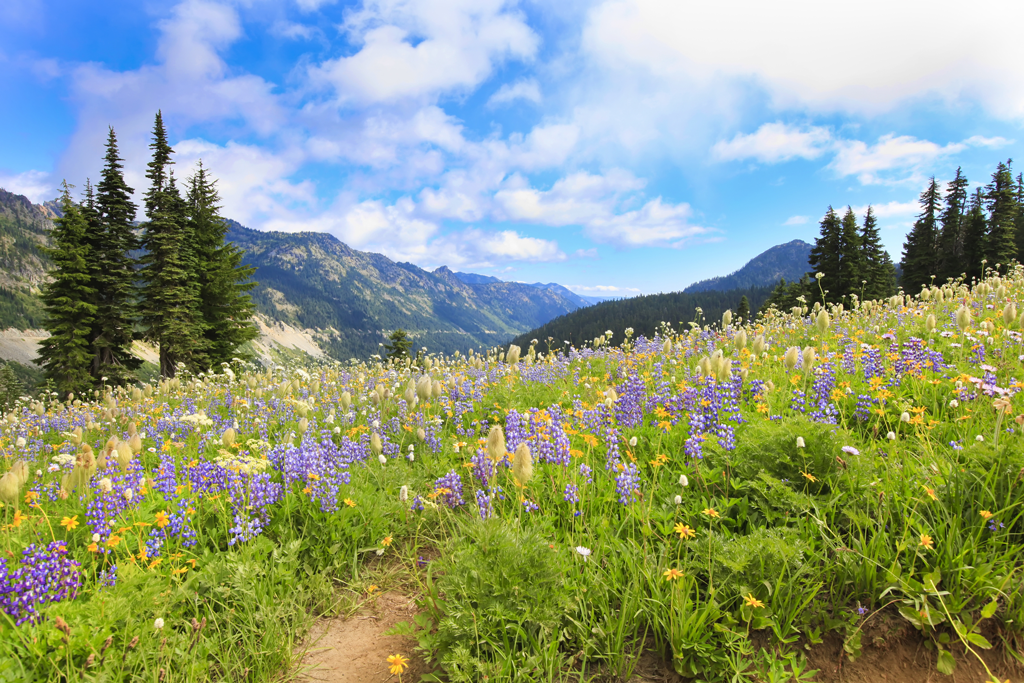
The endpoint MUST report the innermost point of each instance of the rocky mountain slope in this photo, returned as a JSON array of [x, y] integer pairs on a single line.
[[342, 301]]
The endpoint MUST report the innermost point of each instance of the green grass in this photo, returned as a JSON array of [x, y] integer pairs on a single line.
[[726, 521]]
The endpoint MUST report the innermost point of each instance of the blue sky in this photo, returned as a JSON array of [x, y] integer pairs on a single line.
[[614, 146]]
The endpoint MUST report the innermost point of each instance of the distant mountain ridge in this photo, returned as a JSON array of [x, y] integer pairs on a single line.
[[787, 261], [347, 300], [580, 300]]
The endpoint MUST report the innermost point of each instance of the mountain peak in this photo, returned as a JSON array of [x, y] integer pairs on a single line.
[[787, 261]]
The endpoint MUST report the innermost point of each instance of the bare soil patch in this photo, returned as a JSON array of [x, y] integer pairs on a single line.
[[355, 649]]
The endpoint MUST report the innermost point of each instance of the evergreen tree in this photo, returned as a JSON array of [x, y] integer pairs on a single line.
[[225, 306], [66, 356], [975, 229], [878, 268], [1003, 211], [852, 267], [170, 292], [919, 249], [827, 253], [951, 235], [1019, 223], [399, 345], [743, 310], [10, 387], [112, 237]]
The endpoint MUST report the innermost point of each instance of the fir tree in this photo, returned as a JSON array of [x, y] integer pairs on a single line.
[[1003, 211], [852, 268], [878, 269], [10, 387], [919, 249], [170, 292], [1019, 224], [66, 356], [975, 229], [399, 345], [743, 310], [224, 281], [951, 235], [827, 253], [112, 238]]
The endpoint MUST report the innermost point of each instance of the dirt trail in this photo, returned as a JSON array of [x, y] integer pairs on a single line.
[[355, 650]]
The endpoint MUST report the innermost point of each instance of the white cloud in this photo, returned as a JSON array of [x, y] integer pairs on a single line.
[[993, 142], [422, 48], [577, 199], [790, 51], [655, 224], [527, 89], [312, 5], [867, 163], [36, 185], [775, 142], [796, 220], [891, 209], [586, 253], [602, 289], [252, 181]]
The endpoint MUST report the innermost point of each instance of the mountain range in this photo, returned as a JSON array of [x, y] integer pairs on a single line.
[[316, 294], [346, 300]]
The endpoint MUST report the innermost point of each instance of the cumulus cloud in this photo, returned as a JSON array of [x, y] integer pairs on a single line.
[[868, 162], [36, 185], [789, 50], [527, 89], [422, 48], [796, 220], [775, 142]]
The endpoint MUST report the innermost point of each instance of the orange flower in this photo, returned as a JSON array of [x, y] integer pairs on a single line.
[[93, 547], [387, 541], [684, 531], [398, 664], [113, 541], [809, 477], [672, 574], [69, 523], [985, 514], [751, 601], [162, 519], [930, 492], [927, 541], [351, 503], [711, 512]]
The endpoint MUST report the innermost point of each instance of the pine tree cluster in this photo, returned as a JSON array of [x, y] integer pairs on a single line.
[[848, 261], [956, 234], [175, 282]]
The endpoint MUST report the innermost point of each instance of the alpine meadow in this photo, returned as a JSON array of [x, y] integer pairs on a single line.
[[502, 341]]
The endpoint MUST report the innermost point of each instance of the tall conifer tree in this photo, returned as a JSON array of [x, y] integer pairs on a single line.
[[1003, 210], [826, 254], [951, 234], [975, 229], [919, 250], [878, 269], [225, 305], [67, 354], [113, 239], [852, 269], [170, 292], [1019, 224]]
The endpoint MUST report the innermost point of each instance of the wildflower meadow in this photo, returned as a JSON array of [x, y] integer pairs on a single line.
[[727, 496]]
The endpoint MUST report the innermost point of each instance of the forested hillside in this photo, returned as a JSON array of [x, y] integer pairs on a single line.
[[644, 314], [782, 262]]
